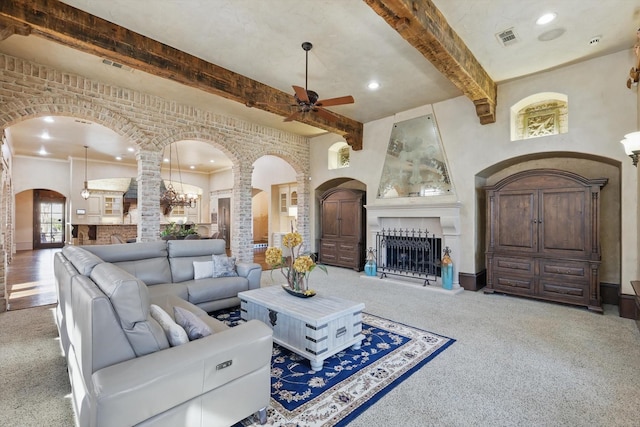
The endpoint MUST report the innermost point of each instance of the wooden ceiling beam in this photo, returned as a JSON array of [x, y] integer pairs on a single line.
[[425, 28], [72, 27]]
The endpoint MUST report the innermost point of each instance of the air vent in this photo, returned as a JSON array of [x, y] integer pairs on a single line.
[[84, 122], [507, 37], [117, 65]]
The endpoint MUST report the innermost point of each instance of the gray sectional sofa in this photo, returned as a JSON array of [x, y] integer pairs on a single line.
[[122, 368]]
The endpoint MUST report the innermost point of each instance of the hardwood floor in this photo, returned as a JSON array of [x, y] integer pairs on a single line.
[[30, 279], [31, 283]]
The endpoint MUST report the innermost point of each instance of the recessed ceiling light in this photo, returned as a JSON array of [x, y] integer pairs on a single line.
[[48, 119], [45, 135], [131, 149], [192, 167], [43, 152], [118, 158], [546, 18], [165, 160], [373, 85], [212, 161]]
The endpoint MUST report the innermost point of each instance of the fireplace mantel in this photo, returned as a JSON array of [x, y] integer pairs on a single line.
[[446, 216]]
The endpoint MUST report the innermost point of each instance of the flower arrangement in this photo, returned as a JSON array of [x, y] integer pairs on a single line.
[[295, 267]]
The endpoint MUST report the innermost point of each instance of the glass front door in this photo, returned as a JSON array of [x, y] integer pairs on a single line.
[[49, 220]]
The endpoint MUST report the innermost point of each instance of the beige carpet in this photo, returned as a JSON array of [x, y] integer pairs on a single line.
[[516, 362], [33, 379]]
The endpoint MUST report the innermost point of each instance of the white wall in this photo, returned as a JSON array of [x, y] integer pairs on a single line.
[[601, 111]]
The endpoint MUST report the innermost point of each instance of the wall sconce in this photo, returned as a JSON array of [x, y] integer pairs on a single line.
[[293, 211], [631, 144]]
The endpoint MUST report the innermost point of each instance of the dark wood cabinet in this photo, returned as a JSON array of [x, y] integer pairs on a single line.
[[342, 228], [543, 237]]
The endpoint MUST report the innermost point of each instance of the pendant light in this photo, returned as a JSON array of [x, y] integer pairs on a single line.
[[85, 191]]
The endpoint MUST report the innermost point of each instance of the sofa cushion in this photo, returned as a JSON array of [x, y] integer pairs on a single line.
[[182, 254], [145, 260], [174, 332], [130, 300], [224, 266], [82, 260], [213, 289], [192, 324], [202, 269]]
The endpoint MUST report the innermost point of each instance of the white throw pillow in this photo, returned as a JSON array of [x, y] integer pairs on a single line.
[[192, 324], [224, 266], [175, 333], [202, 269]]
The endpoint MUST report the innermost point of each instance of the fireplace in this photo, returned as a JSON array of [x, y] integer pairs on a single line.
[[408, 253], [442, 220]]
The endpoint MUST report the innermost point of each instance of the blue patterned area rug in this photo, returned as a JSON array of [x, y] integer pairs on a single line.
[[350, 381]]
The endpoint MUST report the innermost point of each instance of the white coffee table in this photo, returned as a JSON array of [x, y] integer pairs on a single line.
[[315, 328]]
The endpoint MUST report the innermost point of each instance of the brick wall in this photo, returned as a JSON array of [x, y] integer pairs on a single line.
[[29, 90]]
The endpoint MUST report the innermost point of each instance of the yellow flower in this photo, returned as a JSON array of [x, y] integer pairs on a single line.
[[273, 256], [291, 240], [303, 264]]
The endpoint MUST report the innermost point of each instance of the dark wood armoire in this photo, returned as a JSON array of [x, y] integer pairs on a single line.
[[543, 238], [342, 235]]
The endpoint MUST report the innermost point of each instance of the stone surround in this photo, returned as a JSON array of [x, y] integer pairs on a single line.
[[441, 219]]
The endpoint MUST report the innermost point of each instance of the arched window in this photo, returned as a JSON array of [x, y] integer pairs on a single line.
[[541, 114], [338, 155]]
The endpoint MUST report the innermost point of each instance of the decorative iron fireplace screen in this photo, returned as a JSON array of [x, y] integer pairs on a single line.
[[408, 253]]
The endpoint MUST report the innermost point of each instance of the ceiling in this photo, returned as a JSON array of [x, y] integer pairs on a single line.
[[352, 46]]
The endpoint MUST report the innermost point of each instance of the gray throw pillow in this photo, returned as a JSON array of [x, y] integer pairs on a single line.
[[224, 266], [174, 332], [194, 326]]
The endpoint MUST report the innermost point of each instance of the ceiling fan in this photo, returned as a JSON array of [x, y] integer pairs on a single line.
[[307, 100]]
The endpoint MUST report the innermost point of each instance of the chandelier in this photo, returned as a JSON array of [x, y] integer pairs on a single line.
[[171, 198], [85, 193]]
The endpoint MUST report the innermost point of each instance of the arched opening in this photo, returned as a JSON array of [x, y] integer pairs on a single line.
[[585, 165]]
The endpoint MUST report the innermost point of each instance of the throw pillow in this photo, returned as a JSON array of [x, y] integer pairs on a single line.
[[202, 269], [176, 335], [224, 266], [194, 326]]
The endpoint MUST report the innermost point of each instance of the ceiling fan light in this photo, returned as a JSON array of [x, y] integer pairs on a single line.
[[373, 85]]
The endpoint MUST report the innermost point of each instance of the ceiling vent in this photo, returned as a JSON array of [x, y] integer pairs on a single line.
[[507, 37], [117, 65]]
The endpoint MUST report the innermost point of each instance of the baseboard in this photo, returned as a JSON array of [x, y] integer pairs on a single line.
[[627, 306], [473, 281], [609, 293]]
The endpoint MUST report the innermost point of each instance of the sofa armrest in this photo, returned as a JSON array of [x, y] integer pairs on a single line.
[[252, 271], [167, 378]]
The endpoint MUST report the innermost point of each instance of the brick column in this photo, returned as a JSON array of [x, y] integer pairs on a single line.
[[149, 179], [303, 225], [241, 215]]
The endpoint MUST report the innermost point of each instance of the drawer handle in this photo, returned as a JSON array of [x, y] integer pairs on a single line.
[[340, 332], [273, 317]]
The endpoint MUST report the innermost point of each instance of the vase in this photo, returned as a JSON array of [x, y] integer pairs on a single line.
[[300, 294]]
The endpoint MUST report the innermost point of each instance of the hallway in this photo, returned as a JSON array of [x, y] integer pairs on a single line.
[[30, 279]]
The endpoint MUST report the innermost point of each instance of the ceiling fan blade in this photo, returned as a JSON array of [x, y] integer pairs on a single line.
[[292, 117], [335, 101], [301, 93], [326, 114]]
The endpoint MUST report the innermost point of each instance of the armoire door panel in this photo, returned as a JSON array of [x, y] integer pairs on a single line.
[[516, 229], [330, 222], [350, 218], [563, 221]]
